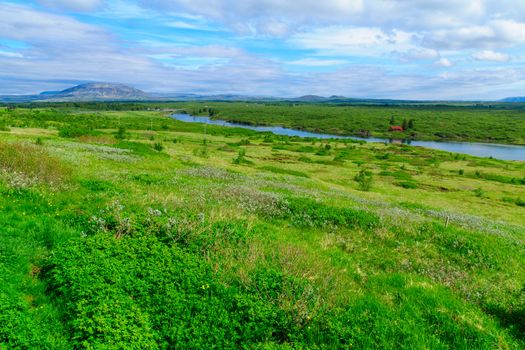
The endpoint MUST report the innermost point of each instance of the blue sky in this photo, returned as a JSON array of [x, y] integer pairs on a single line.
[[410, 49]]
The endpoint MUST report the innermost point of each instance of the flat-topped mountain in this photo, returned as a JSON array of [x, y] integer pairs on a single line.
[[97, 91]]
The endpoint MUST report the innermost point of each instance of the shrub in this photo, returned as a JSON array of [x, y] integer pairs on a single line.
[[478, 192], [277, 170], [306, 212], [364, 180], [157, 146], [305, 159], [241, 158], [121, 133], [406, 184], [149, 290], [72, 131]]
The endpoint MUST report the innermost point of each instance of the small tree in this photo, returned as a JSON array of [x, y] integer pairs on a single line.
[[392, 120], [411, 124], [405, 124]]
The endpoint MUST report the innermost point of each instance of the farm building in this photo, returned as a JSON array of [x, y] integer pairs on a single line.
[[396, 128]]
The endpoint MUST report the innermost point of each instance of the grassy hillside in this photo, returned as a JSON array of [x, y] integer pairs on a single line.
[[132, 230]]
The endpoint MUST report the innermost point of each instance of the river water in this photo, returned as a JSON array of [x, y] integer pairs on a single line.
[[505, 152]]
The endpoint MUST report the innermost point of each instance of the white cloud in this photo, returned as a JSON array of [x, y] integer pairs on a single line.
[[418, 54], [313, 62], [488, 55], [444, 62], [493, 34], [73, 5], [419, 32], [49, 30], [10, 54], [353, 41]]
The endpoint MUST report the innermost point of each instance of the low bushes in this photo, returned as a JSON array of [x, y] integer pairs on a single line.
[[306, 212], [149, 286], [277, 170], [71, 131], [24, 165]]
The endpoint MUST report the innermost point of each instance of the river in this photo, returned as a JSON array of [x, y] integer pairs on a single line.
[[498, 151]]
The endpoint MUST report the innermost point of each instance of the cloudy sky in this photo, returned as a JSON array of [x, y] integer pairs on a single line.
[[412, 49]]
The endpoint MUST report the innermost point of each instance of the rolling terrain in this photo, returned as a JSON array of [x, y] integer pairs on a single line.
[[128, 229]]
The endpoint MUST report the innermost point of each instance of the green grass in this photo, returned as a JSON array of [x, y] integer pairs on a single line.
[[431, 122], [116, 243]]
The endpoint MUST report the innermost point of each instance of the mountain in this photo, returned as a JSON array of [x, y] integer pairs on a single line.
[[96, 92], [119, 92], [513, 99], [310, 98], [85, 92]]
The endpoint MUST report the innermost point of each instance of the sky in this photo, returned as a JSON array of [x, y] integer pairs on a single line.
[[402, 49]]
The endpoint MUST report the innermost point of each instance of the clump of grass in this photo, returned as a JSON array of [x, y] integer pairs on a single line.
[[157, 146], [480, 193], [72, 131], [241, 158], [364, 180], [277, 170], [406, 184], [121, 133], [101, 139], [520, 202], [24, 165], [304, 159]]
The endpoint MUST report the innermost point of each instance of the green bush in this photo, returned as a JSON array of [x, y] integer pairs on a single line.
[[406, 184], [241, 158], [157, 146], [72, 131], [364, 180], [143, 291], [306, 212], [277, 170]]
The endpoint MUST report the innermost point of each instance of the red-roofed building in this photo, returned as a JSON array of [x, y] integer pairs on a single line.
[[396, 128]]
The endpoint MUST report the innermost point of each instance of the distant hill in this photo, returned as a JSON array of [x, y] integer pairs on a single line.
[[310, 98], [100, 91], [513, 99], [85, 92], [96, 92]]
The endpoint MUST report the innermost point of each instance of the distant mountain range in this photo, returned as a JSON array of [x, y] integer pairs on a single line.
[[513, 99], [114, 92], [84, 92], [121, 92]]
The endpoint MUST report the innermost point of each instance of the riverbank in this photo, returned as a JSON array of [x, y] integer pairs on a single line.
[[503, 125], [498, 151]]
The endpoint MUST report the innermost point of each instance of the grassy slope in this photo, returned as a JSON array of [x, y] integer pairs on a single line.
[[182, 246]]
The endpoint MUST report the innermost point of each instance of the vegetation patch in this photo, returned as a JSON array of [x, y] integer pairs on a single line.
[[24, 165], [277, 170]]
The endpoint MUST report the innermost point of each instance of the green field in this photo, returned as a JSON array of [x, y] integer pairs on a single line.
[[499, 124], [129, 230]]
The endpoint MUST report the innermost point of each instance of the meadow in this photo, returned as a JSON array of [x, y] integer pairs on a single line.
[[483, 123], [126, 229]]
